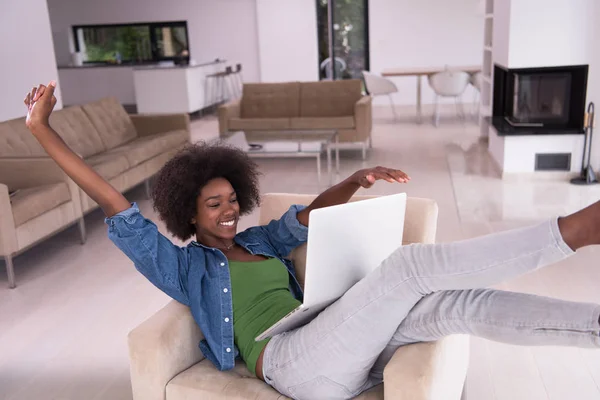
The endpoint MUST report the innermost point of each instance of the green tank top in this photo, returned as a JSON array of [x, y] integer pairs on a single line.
[[261, 297]]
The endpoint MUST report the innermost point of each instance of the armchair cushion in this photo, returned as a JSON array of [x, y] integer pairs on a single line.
[[204, 381], [29, 203]]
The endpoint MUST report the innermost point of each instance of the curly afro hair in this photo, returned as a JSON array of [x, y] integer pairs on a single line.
[[179, 182]]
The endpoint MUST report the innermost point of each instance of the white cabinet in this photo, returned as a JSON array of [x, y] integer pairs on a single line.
[[174, 89], [81, 85]]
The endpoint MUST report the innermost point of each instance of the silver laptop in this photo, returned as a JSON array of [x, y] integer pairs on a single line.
[[345, 243]]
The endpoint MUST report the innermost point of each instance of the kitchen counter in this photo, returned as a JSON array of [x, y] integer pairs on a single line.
[[91, 82], [176, 89], [152, 65]]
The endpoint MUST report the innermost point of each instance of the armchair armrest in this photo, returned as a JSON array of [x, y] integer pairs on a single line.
[[160, 348], [8, 238], [363, 116], [152, 124], [227, 111], [428, 371]]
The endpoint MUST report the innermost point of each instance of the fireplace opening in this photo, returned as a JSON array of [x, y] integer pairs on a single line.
[[539, 100]]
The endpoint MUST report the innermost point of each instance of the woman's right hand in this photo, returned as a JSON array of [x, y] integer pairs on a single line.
[[40, 102]]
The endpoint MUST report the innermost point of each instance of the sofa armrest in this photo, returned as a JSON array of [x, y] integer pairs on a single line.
[[363, 116], [28, 172], [8, 238], [160, 348], [428, 371], [152, 124], [227, 111]]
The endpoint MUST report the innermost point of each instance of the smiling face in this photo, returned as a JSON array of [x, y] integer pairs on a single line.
[[217, 214]]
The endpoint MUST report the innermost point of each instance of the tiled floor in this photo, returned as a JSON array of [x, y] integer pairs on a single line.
[[63, 330]]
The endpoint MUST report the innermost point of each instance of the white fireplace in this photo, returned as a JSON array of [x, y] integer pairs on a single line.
[[518, 154]]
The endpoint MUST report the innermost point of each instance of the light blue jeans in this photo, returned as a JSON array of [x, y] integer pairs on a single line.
[[423, 293]]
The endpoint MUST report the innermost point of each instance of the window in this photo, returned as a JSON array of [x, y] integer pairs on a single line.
[[132, 43], [349, 23]]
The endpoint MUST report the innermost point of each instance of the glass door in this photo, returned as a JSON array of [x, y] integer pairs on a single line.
[[348, 43]]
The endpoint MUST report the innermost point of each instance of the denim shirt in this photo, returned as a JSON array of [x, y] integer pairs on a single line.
[[198, 276]]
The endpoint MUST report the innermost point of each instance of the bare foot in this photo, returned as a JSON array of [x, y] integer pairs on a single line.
[[581, 228]]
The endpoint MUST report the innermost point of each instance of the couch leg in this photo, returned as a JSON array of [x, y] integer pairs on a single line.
[[82, 232], [10, 270], [319, 173], [148, 189], [364, 151]]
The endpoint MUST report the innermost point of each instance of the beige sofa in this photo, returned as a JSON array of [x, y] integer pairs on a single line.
[[125, 150], [166, 363], [274, 111]]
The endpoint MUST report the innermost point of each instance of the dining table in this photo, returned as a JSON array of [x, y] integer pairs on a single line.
[[419, 72]]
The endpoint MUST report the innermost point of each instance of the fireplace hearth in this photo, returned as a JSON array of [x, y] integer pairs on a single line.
[[539, 101]]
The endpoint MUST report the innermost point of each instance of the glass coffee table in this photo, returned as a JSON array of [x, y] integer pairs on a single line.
[[302, 144]]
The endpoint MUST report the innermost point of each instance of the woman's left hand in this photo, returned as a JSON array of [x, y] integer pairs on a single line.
[[367, 177]]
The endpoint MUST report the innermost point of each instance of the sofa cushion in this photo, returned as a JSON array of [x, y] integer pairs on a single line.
[[30, 203], [270, 100], [76, 129], [329, 98], [322, 123], [17, 141], [204, 381], [108, 165], [147, 147], [256, 124], [111, 121]]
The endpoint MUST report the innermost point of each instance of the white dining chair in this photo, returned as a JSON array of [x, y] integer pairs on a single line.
[[379, 86], [448, 84], [476, 80], [340, 66]]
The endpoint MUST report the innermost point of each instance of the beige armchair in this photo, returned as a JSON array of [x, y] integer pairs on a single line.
[[45, 202], [167, 364]]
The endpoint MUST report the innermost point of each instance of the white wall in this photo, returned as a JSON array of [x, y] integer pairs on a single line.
[[593, 93], [217, 28], [544, 33], [27, 54], [287, 37], [501, 33], [424, 33], [564, 34]]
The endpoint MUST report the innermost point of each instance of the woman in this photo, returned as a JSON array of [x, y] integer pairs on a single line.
[[236, 285]]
